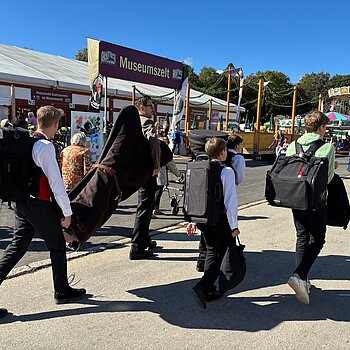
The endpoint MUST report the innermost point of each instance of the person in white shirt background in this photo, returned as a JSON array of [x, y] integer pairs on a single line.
[[235, 158]]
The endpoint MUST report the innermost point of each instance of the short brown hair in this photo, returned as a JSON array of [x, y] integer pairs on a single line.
[[48, 115], [314, 120], [234, 141], [214, 146], [143, 101]]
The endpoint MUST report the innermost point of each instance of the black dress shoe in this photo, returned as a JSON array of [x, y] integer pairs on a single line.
[[213, 296], [200, 268], [71, 294], [3, 312], [140, 254], [199, 295], [151, 244]]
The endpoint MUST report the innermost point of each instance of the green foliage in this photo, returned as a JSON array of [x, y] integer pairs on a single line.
[[82, 55], [339, 81]]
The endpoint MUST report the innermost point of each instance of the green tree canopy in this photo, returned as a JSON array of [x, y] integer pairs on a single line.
[[82, 55]]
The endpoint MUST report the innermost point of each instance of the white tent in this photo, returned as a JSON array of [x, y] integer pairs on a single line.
[[18, 65]]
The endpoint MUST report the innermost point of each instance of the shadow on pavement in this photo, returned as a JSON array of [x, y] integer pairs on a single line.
[[174, 303]]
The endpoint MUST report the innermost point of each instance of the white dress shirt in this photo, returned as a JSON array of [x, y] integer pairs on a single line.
[[230, 196], [43, 154], [238, 164]]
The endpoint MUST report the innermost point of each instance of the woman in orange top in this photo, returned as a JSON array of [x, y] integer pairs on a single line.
[[75, 161]]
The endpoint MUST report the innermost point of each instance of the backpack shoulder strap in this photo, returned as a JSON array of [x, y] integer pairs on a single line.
[[298, 148], [315, 146], [311, 151]]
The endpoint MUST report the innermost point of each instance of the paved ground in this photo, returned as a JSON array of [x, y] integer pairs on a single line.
[[148, 304], [121, 222]]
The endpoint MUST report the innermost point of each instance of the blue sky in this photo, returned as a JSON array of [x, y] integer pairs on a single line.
[[293, 36]]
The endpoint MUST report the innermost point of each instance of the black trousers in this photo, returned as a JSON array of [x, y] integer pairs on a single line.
[[202, 253], [140, 235], [157, 196], [217, 238], [176, 145], [41, 216], [311, 232]]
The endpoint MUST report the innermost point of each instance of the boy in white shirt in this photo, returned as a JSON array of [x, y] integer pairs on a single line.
[[219, 236]]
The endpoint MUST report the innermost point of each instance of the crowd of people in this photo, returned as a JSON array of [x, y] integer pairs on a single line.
[[50, 185]]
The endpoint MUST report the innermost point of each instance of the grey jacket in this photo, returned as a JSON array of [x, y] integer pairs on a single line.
[[162, 179]]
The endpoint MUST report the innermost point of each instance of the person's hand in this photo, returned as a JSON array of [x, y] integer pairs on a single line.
[[235, 232], [191, 228], [336, 164], [156, 171], [65, 222]]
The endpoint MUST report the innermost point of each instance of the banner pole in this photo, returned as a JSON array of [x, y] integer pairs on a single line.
[[133, 95], [228, 99], [210, 112], [105, 108], [188, 91], [294, 109]]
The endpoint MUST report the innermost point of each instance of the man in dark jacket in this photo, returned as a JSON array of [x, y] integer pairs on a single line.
[[140, 240]]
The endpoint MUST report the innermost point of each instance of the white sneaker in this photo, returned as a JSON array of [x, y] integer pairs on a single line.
[[300, 288]]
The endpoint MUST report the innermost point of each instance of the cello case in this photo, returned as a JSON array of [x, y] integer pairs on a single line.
[[97, 195]]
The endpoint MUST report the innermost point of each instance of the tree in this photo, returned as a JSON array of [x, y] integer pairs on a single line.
[[277, 97], [339, 81], [309, 88], [193, 78], [82, 55]]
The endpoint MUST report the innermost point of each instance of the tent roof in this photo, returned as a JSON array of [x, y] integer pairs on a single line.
[[33, 67], [337, 116]]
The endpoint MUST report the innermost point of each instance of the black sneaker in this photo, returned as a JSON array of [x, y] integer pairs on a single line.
[[71, 294], [3, 312], [140, 254], [199, 295]]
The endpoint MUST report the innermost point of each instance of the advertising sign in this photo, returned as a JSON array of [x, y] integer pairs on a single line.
[[91, 124], [216, 116], [48, 96], [123, 63]]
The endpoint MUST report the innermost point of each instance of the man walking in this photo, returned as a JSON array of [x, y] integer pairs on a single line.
[[176, 139], [140, 240], [40, 214], [310, 225]]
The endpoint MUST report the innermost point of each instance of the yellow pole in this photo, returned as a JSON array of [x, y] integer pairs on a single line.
[[294, 108], [228, 99], [187, 115], [210, 111], [319, 102], [133, 96], [258, 111]]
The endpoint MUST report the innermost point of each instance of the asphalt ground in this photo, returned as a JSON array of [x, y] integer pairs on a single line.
[[148, 304], [121, 223]]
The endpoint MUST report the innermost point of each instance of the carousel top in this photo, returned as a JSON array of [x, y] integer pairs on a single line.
[[340, 92]]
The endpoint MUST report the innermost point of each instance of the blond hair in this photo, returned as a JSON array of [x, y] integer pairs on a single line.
[[48, 115], [214, 146]]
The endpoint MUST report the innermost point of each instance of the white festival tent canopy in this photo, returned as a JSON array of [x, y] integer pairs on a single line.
[[19, 65]]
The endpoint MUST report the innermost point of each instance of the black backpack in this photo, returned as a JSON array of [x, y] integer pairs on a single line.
[[203, 196], [298, 181], [338, 208], [16, 163]]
